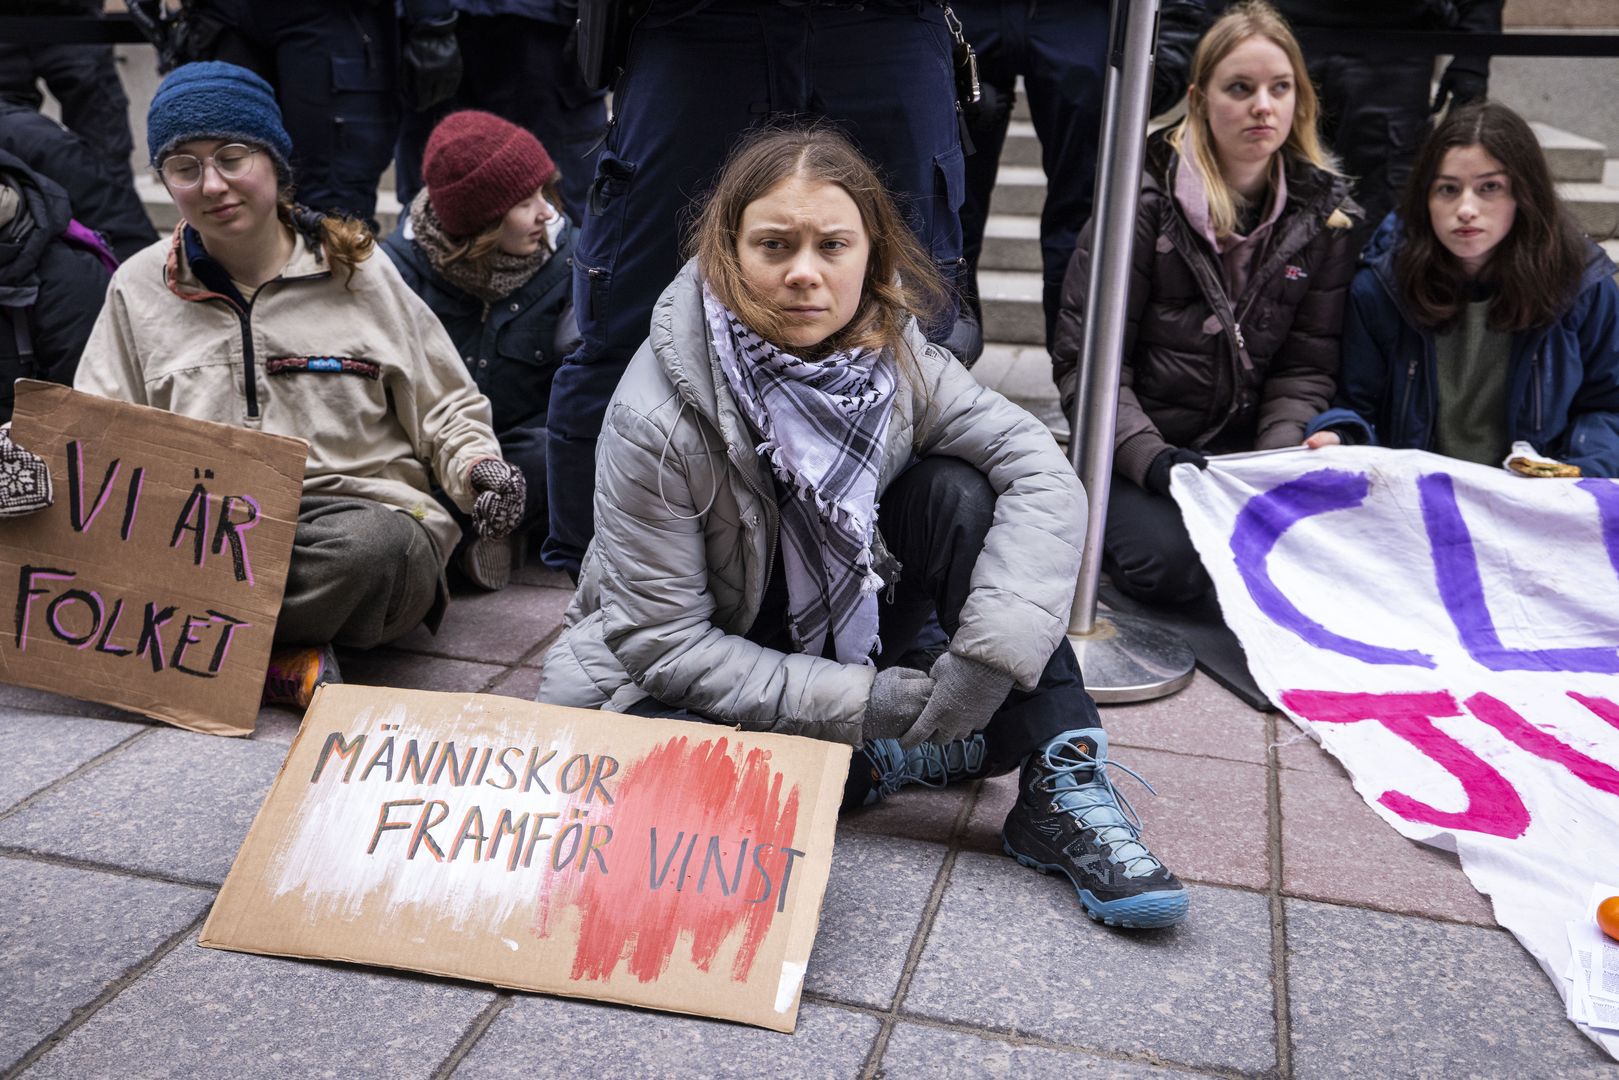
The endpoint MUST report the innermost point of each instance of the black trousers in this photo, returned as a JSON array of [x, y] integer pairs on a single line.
[[1147, 551], [934, 518]]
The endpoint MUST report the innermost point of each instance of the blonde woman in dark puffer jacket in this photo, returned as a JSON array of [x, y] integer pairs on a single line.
[[1242, 262]]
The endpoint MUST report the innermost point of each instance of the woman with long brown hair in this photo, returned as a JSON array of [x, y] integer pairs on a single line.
[[1482, 316], [1242, 258], [791, 479]]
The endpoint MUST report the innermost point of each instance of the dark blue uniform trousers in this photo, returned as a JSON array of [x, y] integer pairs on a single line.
[[1060, 49], [694, 81], [334, 67]]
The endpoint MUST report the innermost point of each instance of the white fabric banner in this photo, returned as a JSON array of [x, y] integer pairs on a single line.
[[1450, 633]]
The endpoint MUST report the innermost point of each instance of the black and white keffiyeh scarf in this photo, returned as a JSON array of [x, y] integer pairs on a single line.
[[824, 423]]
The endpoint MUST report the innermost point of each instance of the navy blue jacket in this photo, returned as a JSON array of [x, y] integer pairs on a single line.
[[1562, 393], [512, 347]]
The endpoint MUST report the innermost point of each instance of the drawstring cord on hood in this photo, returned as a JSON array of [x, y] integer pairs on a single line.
[[663, 456]]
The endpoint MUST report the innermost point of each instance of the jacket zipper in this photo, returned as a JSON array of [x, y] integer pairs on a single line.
[[1534, 393], [774, 529], [249, 368], [1405, 397]]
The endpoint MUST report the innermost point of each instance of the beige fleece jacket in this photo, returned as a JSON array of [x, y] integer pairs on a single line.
[[384, 428]]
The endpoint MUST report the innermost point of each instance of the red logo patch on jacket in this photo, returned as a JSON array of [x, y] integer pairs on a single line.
[[1295, 273]]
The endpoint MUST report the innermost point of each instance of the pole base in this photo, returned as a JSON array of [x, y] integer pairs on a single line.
[[1129, 659]]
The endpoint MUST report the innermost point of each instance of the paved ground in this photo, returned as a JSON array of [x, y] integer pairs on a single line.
[[1320, 943]]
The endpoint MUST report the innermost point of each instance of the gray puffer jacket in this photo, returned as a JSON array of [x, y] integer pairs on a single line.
[[686, 528]]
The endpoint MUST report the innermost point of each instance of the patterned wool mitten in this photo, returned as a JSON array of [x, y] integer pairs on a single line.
[[25, 480], [501, 493]]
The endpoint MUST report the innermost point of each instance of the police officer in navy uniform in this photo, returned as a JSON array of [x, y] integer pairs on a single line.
[[697, 74]]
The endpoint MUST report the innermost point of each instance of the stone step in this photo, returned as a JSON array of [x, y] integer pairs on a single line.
[[1570, 156], [1019, 189], [1012, 312], [1595, 205], [1022, 145], [1011, 242]]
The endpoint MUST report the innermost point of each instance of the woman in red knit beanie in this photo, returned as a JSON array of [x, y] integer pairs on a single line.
[[485, 245]]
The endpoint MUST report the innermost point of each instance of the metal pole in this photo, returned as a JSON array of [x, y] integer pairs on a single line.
[[1124, 658]]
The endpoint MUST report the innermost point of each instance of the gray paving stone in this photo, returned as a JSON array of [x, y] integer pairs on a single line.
[[535, 572], [521, 682], [410, 671], [1392, 995], [1011, 950], [499, 627], [205, 1013], [175, 803], [39, 748], [563, 1039], [917, 812], [277, 724], [1204, 719], [67, 934], [21, 697], [874, 902], [915, 1051]]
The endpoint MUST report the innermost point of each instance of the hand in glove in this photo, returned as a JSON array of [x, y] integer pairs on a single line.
[[1157, 478], [431, 63], [898, 696], [25, 480], [965, 695], [501, 493], [1459, 87]]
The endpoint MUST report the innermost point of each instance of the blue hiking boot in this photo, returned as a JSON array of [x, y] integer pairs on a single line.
[[931, 765], [1069, 819]]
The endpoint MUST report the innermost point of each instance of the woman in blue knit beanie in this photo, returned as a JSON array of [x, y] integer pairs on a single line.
[[264, 314]]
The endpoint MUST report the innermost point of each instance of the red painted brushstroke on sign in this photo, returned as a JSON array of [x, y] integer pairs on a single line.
[[721, 860]]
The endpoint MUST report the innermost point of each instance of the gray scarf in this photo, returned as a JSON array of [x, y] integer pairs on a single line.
[[824, 424]]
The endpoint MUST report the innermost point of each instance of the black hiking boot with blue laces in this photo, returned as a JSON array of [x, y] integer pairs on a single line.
[[1069, 819]]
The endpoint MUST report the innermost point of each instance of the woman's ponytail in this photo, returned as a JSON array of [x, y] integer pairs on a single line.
[[344, 242]]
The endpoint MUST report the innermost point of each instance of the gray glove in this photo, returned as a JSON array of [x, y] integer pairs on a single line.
[[965, 695], [502, 491], [898, 696], [25, 480]]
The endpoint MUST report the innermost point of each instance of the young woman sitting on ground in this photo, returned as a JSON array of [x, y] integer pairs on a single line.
[[1483, 316], [1236, 294], [791, 479], [486, 247], [261, 313]]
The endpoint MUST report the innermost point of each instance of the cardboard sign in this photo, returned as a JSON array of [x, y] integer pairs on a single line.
[[154, 581], [659, 863]]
